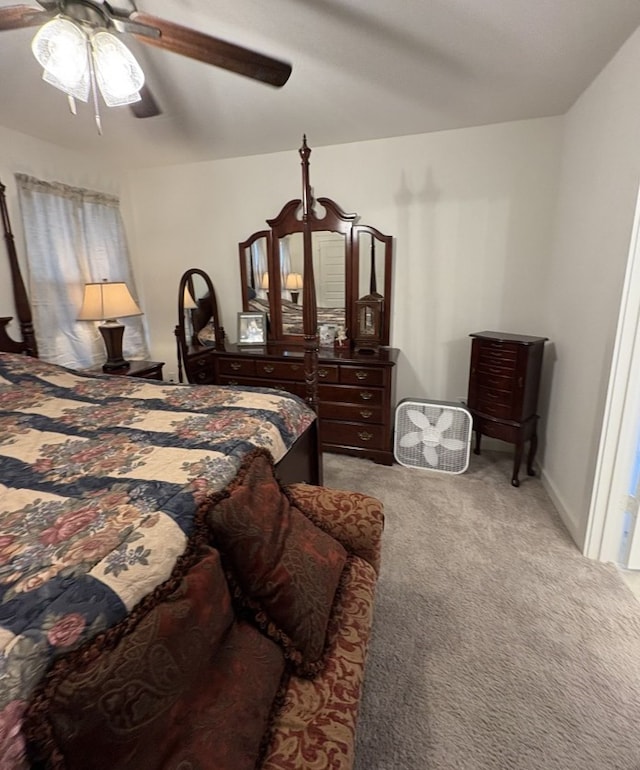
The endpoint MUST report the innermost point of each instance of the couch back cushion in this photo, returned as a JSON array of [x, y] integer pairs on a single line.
[[189, 686], [286, 570]]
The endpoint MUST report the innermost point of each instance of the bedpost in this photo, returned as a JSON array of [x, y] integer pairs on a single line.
[[20, 299], [309, 310]]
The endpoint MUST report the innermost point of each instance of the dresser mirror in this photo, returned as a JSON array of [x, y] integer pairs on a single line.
[[349, 262]]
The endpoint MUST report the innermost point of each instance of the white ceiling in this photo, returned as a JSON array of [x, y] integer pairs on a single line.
[[362, 69]]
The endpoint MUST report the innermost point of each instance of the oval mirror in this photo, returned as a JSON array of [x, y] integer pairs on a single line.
[[198, 319]]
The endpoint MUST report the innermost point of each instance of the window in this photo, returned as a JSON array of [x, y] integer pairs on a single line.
[[73, 236]]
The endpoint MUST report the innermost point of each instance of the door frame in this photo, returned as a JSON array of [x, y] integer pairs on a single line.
[[621, 420]]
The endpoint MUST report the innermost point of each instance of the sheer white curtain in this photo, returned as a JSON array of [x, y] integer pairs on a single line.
[[74, 236], [285, 267], [259, 265]]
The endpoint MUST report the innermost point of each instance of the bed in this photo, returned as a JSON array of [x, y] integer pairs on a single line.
[[292, 321], [101, 479]]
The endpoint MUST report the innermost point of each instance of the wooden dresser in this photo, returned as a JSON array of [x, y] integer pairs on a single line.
[[504, 380], [356, 392]]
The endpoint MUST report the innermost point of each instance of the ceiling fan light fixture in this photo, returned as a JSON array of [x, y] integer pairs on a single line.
[[118, 74], [60, 47]]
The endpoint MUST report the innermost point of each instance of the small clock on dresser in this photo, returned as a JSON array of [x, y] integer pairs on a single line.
[[368, 329]]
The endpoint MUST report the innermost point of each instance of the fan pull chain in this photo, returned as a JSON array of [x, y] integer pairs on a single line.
[[94, 90], [72, 105]]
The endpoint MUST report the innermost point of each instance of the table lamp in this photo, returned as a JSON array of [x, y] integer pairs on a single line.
[[106, 301], [294, 283]]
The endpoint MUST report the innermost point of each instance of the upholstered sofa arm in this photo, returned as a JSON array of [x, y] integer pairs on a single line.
[[354, 519]]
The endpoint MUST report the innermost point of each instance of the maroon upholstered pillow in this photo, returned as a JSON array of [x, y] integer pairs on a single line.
[[189, 686], [286, 569]]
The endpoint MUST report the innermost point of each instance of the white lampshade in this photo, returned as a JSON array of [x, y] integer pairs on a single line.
[[119, 75], [60, 46], [293, 281], [107, 300], [187, 300], [264, 283]]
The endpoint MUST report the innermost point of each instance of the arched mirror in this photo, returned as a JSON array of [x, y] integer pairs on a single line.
[[348, 260], [198, 326]]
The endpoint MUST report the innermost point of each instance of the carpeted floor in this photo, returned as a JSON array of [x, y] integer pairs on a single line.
[[496, 644]]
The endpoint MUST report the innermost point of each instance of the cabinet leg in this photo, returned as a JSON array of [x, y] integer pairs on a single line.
[[517, 459], [533, 447], [476, 451]]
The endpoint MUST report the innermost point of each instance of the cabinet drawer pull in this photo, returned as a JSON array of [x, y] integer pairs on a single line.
[[295, 367], [232, 382], [235, 365], [366, 395], [362, 375], [268, 368], [366, 413], [365, 436], [520, 382], [322, 373]]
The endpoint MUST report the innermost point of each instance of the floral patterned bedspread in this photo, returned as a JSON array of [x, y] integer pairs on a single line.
[[100, 479]]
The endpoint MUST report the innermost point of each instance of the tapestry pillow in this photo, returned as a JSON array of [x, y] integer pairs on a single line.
[[171, 693], [282, 566]]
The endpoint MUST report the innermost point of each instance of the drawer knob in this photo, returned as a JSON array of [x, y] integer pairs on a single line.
[[235, 365], [362, 375], [366, 413], [295, 367], [233, 382], [322, 373], [268, 368], [365, 436], [366, 395]]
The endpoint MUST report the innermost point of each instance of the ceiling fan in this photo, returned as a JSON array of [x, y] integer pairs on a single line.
[[97, 15]]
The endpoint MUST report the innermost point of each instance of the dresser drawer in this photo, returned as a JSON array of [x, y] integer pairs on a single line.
[[498, 350], [352, 434], [237, 366], [496, 382], [348, 394], [199, 370], [361, 375], [328, 373], [500, 411], [290, 386], [350, 412], [287, 370], [494, 397]]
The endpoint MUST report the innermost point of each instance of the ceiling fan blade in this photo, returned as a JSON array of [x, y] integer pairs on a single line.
[[18, 16], [211, 50], [147, 107]]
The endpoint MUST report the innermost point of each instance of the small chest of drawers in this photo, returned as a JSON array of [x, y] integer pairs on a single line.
[[504, 380]]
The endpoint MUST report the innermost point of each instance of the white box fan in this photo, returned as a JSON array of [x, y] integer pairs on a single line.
[[433, 435]]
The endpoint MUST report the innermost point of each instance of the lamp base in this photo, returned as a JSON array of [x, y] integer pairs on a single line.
[[112, 333], [294, 297]]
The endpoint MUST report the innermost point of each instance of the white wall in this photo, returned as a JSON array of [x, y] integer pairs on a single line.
[[24, 154], [597, 193], [471, 212]]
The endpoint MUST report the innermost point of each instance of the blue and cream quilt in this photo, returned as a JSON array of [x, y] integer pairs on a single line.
[[100, 480]]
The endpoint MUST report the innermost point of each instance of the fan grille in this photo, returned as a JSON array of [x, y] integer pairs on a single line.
[[433, 435]]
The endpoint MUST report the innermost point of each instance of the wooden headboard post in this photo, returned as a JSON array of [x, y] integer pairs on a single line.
[[21, 301], [309, 309]]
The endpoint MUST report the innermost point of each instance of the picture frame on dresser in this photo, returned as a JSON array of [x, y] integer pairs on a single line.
[[252, 328], [327, 334]]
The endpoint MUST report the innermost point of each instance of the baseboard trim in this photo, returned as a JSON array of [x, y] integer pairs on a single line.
[[572, 527]]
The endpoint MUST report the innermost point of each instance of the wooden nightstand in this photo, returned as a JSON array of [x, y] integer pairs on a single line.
[[148, 370]]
